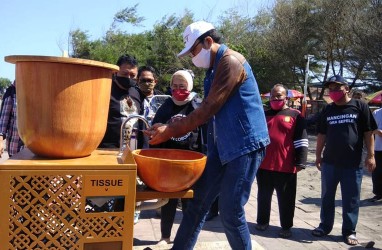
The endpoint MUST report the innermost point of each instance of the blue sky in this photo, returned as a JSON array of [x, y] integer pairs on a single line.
[[41, 27]]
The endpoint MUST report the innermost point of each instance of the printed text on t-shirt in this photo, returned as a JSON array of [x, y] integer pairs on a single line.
[[340, 119]]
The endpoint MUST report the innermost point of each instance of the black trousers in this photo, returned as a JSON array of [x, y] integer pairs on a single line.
[[285, 185], [377, 174], [168, 212], [214, 209]]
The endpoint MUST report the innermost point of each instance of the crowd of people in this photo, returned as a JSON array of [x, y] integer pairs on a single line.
[[241, 140], [344, 128]]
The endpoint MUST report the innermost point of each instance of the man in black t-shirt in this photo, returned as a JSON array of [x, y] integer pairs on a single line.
[[120, 105], [343, 126]]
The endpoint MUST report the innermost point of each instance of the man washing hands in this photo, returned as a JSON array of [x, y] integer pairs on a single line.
[[237, 135], [159, 133]]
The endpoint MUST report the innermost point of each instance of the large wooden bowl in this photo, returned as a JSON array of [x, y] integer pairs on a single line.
[[169, 170], [62, 104]]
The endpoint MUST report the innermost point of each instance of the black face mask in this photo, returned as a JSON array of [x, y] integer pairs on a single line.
[[125, 82]]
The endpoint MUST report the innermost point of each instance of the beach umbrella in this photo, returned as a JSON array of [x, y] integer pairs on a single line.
[[292, 94], [374, 98]]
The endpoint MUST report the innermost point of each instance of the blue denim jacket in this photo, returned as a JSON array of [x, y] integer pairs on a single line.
[[240, 126]]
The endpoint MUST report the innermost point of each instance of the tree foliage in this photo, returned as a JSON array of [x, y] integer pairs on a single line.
[[344, 37], [128, 15], [4, 84]]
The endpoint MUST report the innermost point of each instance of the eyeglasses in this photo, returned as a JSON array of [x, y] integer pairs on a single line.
[[192, 50], [146, 80]]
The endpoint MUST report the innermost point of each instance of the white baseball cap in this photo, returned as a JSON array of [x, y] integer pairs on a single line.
[[193, 32]]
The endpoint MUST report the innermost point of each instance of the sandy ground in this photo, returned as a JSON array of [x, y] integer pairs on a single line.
[[307, 217], [307, 214]]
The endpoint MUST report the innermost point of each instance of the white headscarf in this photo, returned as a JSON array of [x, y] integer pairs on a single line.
[[186, 75]]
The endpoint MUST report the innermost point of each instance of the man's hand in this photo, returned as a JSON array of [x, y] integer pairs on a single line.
[[321, 138], [298, 169], [318, 162], [158, 133], [378, 132], [370, 163], [1, 146]]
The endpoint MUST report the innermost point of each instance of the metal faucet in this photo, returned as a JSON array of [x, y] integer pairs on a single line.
[[140, 206], [122, 145]]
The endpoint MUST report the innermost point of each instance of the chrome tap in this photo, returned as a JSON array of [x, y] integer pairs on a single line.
[[125, 139]]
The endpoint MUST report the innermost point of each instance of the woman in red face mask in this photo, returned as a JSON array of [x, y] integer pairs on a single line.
[[183, 102], [181, 87]]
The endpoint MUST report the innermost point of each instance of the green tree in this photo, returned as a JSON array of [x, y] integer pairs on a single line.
[[343, 36], [248, 36], [366, 34], [290, 36], [80, 44], [166, 43], [4, 84], [115, 43], [129, 16]]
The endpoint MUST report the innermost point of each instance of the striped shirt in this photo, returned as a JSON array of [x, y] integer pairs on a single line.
[[8, 122]]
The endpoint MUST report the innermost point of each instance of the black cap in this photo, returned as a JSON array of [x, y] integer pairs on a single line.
[[336, 79]]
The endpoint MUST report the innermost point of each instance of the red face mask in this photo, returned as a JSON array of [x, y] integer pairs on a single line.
[[180, 94], [277, 104], [336, 95]]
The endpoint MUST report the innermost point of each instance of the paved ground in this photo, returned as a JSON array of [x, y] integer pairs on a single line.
[[147, 231]]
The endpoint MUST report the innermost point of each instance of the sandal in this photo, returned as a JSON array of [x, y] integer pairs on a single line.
[[262, 227], [351, 240], [370, 244], [319, 232], [285, 233]]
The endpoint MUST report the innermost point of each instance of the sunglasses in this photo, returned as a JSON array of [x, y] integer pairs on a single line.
[[192, 50]]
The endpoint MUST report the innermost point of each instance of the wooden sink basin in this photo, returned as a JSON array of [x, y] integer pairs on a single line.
[[169, 170], [62, 104]]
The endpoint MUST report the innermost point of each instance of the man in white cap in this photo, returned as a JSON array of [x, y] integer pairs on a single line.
[[237, 136]]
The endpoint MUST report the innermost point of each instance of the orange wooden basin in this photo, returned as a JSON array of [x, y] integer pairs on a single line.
[[169, 170], [62, 104]]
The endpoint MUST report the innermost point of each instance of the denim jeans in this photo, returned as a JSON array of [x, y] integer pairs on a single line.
[[232, 182], [350, 180]]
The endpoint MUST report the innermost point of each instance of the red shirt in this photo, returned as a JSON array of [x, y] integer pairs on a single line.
[[289, 141]]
